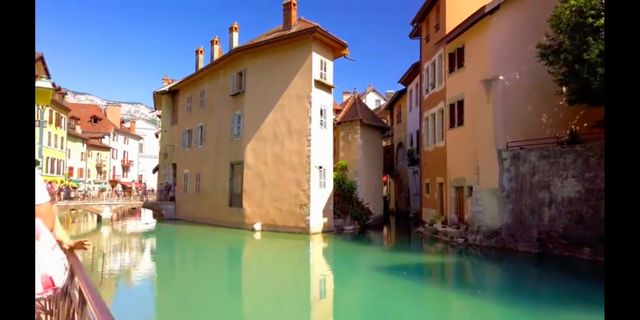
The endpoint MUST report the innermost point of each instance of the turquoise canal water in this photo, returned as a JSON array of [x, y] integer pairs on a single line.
[[188, 271]]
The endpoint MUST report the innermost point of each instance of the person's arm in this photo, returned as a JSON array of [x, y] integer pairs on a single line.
[[64, 239]]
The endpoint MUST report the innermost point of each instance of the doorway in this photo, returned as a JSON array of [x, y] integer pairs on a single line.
[[460, 204], [441, 202]]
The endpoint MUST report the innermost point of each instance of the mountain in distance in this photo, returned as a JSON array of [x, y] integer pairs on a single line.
[[133, 110]]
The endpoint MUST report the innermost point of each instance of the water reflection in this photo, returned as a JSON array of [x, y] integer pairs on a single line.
[[186, 271]]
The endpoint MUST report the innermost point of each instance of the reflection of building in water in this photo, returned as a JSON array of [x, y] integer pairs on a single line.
[[321, 280], [286, 277]]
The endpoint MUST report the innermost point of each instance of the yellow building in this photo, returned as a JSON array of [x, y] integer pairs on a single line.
[[247, 138], [76, 150], [51, 131], [398, 112]]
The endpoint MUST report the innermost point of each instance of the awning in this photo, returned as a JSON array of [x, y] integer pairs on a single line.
[[155, 169]]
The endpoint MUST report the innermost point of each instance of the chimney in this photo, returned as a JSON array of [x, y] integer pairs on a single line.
[[216, 50], [199, 58], [132, 126], [233, 36], [122, 124], [289, 13], [166, 80], [345, 95], [112, 112]]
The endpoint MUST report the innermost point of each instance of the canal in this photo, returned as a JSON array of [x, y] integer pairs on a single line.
[[180, 270]]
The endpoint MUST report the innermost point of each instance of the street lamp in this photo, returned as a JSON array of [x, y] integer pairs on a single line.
[[44, 93]]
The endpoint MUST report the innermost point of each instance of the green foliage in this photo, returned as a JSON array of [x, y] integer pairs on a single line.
[[346, 200], [574, 51]]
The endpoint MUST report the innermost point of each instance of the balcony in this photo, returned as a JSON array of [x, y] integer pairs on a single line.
[[100, 164], [127, 163]]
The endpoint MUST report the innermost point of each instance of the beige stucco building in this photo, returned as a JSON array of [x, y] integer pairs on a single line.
[[508, 96], [359, 143], [248, 137]]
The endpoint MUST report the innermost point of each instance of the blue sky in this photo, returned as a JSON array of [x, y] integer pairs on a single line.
[[120, 49]]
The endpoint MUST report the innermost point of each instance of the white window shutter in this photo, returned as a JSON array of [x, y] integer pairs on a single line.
[[233, 125], [204, 133], [239, 124]]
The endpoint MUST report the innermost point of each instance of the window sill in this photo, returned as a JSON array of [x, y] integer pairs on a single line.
[[324, 83], [456, 71]]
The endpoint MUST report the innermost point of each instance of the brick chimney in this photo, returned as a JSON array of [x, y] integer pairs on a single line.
[[216, 50], [289, 13], [132, 126], [199, 58], [166, 80], [233, 36], [112, 112], [346, 95]]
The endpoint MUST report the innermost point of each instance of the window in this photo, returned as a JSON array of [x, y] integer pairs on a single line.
[[57, 123], [323, 69], [202, 97], [322, 177], [410, 99], [189, 103], [185, 182], [456, 114], [417, 93], [82, 156], [48, 139], [426, 32], [80, 172], [197, 189], [70, 172], [64, 122], [51, 117], [235, 184], [68, 153], [115, 137], [378, 102], [126, 140], [440, 125], [439, 70], [323, 117], [125, 156], [236, 125], [58, 166], [432, 75], [399, 115], [199, 135], [62, 143], [238, 82], [456, 59], [89, 173], [469, 191], [436, 25], [426, 131], [141, 147], [411, 140], [187, 135], [425, 78], [114, 154], [432, 127], [427, 188], [55, 141]]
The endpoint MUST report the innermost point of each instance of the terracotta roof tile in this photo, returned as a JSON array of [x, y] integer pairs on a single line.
[[356, 110], [85, 112]]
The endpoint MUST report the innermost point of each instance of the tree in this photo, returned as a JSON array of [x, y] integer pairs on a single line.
[[574, 51]]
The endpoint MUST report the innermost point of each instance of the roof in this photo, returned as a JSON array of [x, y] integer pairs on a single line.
[[395, 98], [337, 106], [86, 111], [127, 132], [422, 12], [71, 132], [410, 74], [97, 144], [302, 27], [470, 21], [371, 89], [60, 104], [40, 56], [356, 110]]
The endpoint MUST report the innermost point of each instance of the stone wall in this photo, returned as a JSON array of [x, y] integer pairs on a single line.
[[552, 200]]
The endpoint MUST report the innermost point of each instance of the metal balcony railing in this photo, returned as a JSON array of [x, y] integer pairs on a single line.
[[77, 299]]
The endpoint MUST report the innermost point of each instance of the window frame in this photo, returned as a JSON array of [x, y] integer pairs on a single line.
[[237, 202]]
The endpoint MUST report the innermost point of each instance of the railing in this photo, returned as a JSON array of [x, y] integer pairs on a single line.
[[77, 299], [127, 163], [555, 140]]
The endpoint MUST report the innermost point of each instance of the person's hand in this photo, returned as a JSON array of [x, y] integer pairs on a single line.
[[77, 245]]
